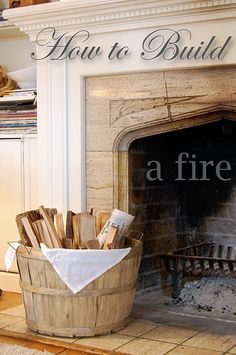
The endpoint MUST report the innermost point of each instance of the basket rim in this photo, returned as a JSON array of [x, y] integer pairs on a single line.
[[33, 253]]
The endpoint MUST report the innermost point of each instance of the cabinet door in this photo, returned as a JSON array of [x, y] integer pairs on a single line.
[[11, 192]]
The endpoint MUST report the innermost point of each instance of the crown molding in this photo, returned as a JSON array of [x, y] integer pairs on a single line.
[[99, 16]]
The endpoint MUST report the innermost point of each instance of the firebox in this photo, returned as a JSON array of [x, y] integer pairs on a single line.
[[182, 190]]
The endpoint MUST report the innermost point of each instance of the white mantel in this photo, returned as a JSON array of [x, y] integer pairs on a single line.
[[101, 16], [61, 132]]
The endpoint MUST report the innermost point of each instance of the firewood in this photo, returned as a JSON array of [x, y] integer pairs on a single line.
[[76, 230], [69, 227], [59, 224], [93, 244], [33, 216], [112, 238], [30, 232], [39, 227], [111, 246], [118, 243], [84, 228], [64, 217], [36, 232], [51, 228], [101, 220], [121, 242], [44, 233], [68, 243], [87, 227]]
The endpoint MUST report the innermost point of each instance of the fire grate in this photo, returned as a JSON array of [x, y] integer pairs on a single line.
[[202, 259]]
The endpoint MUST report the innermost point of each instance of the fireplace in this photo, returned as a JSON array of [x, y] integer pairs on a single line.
[[131, 121], [93, 115], [179, 193]]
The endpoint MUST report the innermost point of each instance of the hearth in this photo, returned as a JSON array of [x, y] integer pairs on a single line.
[[183, 191]]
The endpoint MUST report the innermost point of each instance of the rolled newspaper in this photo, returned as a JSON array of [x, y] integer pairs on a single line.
[[119, 219]]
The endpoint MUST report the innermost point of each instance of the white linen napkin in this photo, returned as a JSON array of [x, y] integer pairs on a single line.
[[11, 253], [77, 268]]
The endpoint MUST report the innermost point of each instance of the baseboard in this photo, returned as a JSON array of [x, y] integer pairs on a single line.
[[9, 282]]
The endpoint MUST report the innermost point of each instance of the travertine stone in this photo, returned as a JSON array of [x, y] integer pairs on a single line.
[[200, 89], [101, 199], [94, 161], [100, 183], [121, 108]]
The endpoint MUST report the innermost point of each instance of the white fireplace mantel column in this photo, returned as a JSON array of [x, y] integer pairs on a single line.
[[61, 114]]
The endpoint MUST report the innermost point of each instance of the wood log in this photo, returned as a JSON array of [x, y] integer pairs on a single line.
[[30, 232], [68, 243], [93, 244], [87, 227], [59, 224], [102, 217], [121, 242], [76, 230], [36, 232], [40, 230], [112, 239], [44, 233], [51, 228], [84, 228], [69, 226], [33, 216]]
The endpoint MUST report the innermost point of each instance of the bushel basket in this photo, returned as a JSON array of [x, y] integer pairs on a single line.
[[100, 308]]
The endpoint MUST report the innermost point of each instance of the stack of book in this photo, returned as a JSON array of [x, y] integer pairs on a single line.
[[18, 111]]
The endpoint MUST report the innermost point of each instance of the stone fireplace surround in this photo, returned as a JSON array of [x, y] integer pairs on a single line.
[[90, 113], [134, 106]]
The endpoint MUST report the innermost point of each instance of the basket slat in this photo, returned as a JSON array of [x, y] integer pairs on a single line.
[[101, 307]]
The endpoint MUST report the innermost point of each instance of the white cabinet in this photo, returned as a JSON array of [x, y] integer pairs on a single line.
[[18, 192], [18, 155]]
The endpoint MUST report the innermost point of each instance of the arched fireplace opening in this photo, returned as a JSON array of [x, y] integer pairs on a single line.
[[182, 189]]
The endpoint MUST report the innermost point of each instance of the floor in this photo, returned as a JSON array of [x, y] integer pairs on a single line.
[[156, 333]]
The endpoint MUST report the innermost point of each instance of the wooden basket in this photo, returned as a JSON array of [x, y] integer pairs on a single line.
[[100, 308]]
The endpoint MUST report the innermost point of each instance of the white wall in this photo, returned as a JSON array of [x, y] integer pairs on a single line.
[[15, 53]]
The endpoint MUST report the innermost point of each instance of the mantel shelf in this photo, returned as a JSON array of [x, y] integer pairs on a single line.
[[103, 16]]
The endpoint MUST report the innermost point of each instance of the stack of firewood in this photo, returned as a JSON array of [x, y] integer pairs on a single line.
[[67, 230]]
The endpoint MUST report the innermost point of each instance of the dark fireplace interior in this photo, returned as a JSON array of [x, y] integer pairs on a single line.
[[182, 190]]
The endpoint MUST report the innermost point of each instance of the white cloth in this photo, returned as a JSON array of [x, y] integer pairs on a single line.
[[77, 268], [10, 254]]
